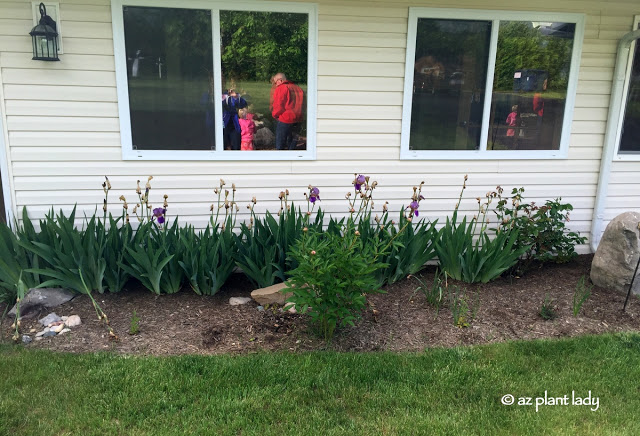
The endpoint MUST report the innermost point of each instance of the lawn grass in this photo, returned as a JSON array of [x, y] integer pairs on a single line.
[[440, 391]]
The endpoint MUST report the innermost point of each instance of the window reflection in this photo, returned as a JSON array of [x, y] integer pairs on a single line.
[[530, 85], [169, 70], [450, 74], [264, 78], [630, 136]]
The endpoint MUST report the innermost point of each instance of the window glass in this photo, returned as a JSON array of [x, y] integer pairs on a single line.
[[530, 85], [630, 136], [450, 74], [170, 78], [264, 80]]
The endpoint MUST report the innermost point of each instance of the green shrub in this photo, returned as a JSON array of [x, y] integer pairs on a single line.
[[541, 228], [334, 273], [337, 268]]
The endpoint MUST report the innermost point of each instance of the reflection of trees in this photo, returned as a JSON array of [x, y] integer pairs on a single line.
[[459, 45], [256, 45], [189, 36], [521, 46], [179, 37]]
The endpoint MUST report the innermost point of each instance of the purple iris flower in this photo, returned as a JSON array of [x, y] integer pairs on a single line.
[[314, 194], [159, 212], [414, 205], [360, 180]]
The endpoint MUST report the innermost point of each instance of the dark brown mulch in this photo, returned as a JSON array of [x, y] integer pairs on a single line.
[[399, 320]]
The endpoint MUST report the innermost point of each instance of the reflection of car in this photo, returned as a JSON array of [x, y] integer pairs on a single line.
[[456, 79]]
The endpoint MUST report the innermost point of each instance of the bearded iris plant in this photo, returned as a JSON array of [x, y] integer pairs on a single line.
[[416, 198]]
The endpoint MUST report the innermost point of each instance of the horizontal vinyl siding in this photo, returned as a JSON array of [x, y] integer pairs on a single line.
[[623, 190], [63, 127]]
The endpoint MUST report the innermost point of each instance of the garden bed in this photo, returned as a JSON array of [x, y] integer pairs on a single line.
[[400, 320]]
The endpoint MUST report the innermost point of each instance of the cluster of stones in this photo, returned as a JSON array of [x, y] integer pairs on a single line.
[[54, 325], [271, 295]]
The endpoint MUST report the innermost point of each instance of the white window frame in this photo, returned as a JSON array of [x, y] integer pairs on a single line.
[[623, 107], [495, 17], [128, 153]]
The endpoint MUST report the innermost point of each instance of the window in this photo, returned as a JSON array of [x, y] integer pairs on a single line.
[[489, 84], [220, 81], [629, 129]]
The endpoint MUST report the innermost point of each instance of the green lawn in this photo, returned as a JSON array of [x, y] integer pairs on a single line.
[[441, 391]]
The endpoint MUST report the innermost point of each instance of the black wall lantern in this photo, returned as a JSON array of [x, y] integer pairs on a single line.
[[45, 38]]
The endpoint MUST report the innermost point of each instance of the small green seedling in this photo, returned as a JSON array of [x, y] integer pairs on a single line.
[[134, 326], [547, 312]]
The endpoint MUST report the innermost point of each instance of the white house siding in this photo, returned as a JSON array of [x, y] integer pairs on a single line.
[[63, 130]]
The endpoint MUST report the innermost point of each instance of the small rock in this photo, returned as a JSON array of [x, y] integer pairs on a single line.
[[58, 328], [42, 332], [32, 330], [51, 318], [38, 338], [26, 339], [290, 307], [63, 331], [260, 309], [238, 301], [64, 318], [48, 334], [73, 321]]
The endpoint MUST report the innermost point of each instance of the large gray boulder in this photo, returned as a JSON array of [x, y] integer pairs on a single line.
[[41, 298], [617, 254]]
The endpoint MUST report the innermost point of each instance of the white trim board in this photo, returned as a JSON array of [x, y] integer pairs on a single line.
[[495, 17], [4, 173], [128, 153]]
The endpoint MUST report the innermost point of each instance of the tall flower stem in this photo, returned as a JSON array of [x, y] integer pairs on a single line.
[[101, 314]]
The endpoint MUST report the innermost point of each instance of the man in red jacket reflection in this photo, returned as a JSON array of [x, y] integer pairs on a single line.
[[287, 102]]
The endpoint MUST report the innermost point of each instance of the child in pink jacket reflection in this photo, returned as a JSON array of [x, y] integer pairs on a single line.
[[511, 120], [247, 129]]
